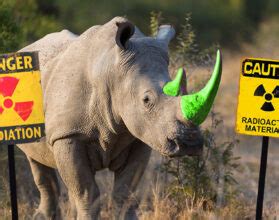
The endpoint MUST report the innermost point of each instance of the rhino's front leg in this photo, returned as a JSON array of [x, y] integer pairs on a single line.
[[127, 178], [76, 172]]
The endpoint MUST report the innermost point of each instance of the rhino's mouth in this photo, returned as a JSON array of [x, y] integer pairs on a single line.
[[177, 148]]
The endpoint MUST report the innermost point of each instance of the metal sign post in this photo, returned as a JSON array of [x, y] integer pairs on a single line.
[[261, 185], [257, 111], [21, 108], [12, 177]]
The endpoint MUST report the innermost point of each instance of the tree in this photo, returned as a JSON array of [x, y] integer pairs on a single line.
[[9, 29], [24, 21]]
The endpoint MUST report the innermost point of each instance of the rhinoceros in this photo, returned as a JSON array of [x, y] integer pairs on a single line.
[[109, 100]]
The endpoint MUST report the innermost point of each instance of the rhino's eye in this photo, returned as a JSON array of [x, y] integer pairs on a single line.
[[148, 100]]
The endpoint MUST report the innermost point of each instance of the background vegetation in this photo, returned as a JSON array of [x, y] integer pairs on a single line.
[[216, 21], [218, 184]]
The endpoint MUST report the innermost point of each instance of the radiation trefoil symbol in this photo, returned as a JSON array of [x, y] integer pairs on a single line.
[[7, 88], [260, 91]]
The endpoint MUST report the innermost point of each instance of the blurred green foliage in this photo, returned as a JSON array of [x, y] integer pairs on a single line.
[[216, 21], [9, 37], [225, 22], [22, 22]]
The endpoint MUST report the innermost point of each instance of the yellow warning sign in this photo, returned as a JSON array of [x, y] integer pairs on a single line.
[[21, 99], [258, 100]]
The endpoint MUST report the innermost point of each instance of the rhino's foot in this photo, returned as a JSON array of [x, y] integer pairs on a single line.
[[125, 213], [42, 215], [131, 214]]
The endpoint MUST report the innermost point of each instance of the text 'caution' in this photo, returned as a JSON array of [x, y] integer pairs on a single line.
[[258, 100]]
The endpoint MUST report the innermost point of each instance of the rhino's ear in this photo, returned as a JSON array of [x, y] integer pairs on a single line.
[[124, 33], [165, 34]]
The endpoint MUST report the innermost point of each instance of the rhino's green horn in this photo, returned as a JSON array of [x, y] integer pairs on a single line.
[[195, 107], [173, 88]]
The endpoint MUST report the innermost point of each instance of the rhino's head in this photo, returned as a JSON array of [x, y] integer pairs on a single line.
[[155, 109]]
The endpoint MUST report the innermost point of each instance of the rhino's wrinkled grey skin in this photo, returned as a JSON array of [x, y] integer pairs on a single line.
[[104, 108]]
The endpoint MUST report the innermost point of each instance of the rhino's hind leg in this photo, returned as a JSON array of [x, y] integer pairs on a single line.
[[127, 178], [47, 183]]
